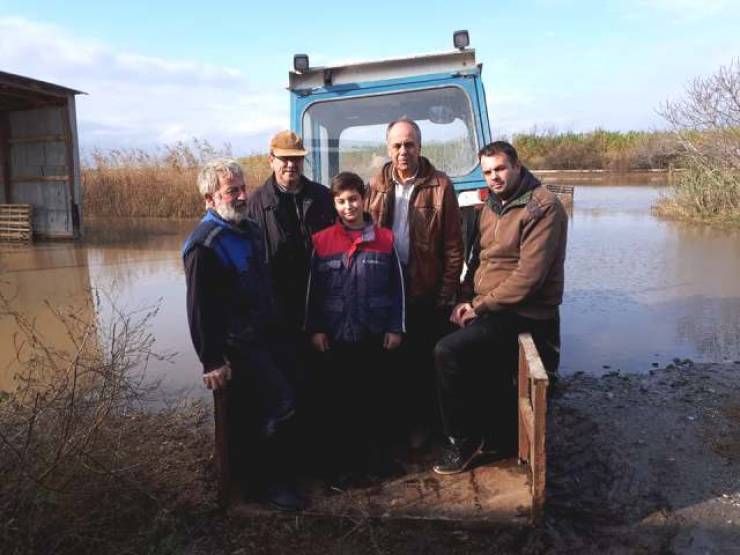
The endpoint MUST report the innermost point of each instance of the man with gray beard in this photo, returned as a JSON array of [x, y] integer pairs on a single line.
[[232, 321]]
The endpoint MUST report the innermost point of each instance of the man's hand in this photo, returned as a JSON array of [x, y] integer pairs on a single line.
[[463, 314], [216, 379], [391, 341], [320, 342]]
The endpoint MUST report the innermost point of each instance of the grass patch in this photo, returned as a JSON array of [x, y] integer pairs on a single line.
[[704, 194]]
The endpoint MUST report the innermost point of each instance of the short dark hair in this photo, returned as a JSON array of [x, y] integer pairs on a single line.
[[499, 147], [409, 121], [347, 181]]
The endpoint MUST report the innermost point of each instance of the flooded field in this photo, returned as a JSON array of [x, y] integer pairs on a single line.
[[639, 290]]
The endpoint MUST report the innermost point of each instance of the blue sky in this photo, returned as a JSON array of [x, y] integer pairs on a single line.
[[159, 72]]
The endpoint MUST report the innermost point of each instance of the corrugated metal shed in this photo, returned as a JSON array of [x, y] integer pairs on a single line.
[[39, 153]]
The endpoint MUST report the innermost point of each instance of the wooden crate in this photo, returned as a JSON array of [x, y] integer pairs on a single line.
[[15, 222], [564, 192]]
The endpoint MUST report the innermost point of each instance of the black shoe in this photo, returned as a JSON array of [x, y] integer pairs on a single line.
[[460, 453], [281, 497]]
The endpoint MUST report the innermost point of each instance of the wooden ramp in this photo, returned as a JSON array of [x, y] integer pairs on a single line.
[[497, 494], [494, 493]]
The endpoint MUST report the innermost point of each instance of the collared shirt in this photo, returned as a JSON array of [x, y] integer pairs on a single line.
[[403, 190]]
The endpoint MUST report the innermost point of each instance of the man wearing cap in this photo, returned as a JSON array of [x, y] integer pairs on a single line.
[[289, 208], [417, 201]]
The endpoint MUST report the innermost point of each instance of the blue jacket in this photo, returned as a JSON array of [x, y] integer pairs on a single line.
[[356, 284], [229, 295]]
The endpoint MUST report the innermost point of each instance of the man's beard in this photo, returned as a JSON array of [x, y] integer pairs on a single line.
[[232, 214]]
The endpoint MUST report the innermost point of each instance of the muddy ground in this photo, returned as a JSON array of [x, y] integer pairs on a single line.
[[637, 463]]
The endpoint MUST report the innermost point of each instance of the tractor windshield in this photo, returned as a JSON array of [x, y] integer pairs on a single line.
[[348, 134]]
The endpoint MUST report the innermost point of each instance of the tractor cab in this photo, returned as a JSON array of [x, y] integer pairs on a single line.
[[342, 113]]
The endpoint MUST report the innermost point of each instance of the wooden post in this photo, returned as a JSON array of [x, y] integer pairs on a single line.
[[5, 160], [221, 453], [523, 387], [532, 410], [70, 162], [539, 456]]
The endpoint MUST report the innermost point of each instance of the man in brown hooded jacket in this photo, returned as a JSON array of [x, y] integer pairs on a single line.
[[418, 202], [514, 284]]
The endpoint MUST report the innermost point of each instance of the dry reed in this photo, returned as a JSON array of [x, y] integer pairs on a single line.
[[136, 183], [84, 467]]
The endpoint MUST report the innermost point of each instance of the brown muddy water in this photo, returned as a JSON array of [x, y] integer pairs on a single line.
[[640, 291]]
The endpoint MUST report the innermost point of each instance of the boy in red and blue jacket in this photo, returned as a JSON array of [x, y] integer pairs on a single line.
[[354, 313]]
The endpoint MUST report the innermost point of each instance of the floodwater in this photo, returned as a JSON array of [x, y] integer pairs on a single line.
[[639, 290]]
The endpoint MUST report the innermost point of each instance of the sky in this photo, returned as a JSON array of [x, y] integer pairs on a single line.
[[160, 72]]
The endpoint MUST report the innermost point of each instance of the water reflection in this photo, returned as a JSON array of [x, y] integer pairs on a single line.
[[641, 290], [638, 289], [137, 262]]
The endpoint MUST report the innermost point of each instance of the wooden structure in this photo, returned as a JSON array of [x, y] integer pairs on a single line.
[[495, 492], [39, 156], [532, 408], [15, 222], [564, 192]]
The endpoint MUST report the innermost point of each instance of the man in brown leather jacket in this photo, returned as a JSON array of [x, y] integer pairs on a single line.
[[514, 284], [418, 202]]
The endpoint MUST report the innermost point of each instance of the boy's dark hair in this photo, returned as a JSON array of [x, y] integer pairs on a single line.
[[500, 147], [347, 181]]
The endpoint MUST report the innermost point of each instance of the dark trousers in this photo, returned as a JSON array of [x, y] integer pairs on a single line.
[[267, 376], [416, 401], [352, 400], [475, 369]]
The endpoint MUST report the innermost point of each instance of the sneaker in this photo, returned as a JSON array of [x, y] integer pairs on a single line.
[[460, 453], [282, 497]]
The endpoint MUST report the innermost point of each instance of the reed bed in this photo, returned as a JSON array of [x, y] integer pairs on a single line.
[[597, 150], [137, 183]]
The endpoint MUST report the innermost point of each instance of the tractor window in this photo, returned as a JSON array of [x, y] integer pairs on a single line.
[[348, 134]]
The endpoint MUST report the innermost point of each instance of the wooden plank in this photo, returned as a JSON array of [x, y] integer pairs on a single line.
[[523, 390], [487, 496], [52, 138], [70, 161], [533, 383], [538, 462], [534, 362], [221, 447], [32, 178], [5, 155], [528, 421]]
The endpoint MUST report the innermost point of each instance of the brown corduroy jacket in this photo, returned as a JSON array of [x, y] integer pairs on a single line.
[[519, 263], [435, 235]]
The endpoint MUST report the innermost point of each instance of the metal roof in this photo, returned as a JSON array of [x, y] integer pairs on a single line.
[[18, 92]]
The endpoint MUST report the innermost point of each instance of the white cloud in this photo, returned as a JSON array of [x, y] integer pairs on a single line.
[[138, 100]]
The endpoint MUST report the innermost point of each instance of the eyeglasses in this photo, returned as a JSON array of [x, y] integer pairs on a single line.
[[286, 159]]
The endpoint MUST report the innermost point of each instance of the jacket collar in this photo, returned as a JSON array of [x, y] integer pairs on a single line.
[[424, 175], [213, 216], [269, 191], [521, 196]]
